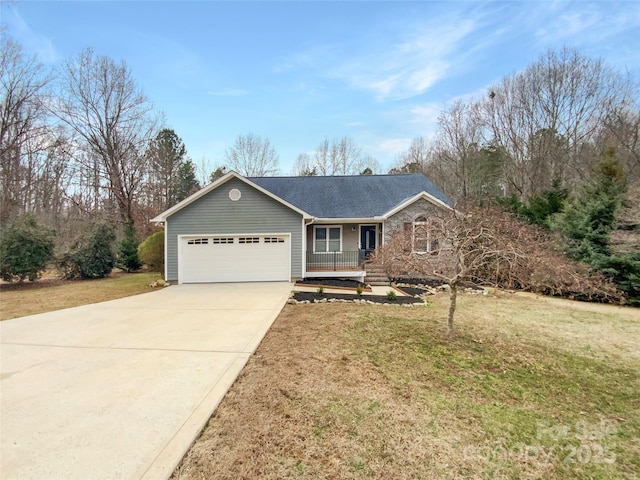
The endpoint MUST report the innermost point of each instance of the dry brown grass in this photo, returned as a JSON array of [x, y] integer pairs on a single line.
[[355, 391], [50, 293]]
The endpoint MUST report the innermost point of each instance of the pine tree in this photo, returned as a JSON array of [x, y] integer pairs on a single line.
[[128, 259], [588, 220]]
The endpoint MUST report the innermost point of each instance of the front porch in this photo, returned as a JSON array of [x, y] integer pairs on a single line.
[[352, 261], [345, 264], [340, 250]]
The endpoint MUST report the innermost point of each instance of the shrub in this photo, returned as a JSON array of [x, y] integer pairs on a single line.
[[151, 252], [391, 296], [25, 249], [128, 259], [320, 290], [359, 290], [90, 257]]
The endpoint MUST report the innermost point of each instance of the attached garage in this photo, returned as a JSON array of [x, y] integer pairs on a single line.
[[233, 231], [234, 258]]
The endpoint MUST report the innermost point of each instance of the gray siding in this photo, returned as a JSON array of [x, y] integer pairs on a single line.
[[350, 238], [215, 214]]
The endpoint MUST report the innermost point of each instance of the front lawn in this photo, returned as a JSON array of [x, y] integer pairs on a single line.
[[530, 388], [46, 295]]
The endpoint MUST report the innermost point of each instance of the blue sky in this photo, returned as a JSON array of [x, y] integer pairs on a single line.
[[297, 72]]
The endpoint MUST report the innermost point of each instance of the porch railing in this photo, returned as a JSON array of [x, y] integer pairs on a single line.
[[336, 261]]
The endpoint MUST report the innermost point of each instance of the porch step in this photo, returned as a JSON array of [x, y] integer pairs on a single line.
[[376, 276]]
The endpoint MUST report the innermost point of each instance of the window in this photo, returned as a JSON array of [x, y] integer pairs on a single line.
[[249, 240], [273, 240], [327, 239], [222, 240], [198, 241], [425, 238]]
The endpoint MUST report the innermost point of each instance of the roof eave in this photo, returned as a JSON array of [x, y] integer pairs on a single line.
[[347, 219], [422, 195], [221, 181]]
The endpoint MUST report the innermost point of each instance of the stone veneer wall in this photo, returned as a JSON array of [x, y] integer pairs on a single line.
[[419, 208]]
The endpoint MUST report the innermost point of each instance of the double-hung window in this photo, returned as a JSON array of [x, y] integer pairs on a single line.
[[327, 239], [425, 238]]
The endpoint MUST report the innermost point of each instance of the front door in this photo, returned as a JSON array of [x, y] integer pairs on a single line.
[[367, 238]]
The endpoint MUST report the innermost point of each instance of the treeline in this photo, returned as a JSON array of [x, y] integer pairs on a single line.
[[82, 144], [545, 127], [558, 145]]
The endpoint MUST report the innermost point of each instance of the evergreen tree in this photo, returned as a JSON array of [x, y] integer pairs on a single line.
[[588, 220], [128, 259], [25, 249], [90, 257], [186, 181]]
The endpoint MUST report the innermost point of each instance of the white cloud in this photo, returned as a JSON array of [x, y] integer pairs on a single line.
[[420, 55], [33, 42], [409, 67]]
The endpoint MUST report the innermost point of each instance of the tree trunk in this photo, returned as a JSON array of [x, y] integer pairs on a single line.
[[453, 295]]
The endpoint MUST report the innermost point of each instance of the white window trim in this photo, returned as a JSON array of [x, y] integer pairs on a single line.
[[327, 240], [428, 225]]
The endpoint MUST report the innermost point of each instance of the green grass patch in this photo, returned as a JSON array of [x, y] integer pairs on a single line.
[[512, 402]]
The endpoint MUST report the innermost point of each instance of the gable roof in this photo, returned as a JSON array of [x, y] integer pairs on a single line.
[[221, 181], [353, 196]]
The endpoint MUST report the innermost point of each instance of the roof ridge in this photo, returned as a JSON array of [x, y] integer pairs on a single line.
[[343, 176]]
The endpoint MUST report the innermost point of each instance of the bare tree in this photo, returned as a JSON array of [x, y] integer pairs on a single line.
[[107, 111], [24, 134], [340, 157], [547, 116], [304, 166], [458, 144], [488, 246], [252, 156]]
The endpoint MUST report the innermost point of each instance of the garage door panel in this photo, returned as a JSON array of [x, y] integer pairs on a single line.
[[235, 258]]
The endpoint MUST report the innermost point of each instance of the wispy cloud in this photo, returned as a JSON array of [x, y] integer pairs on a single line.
[[410, 66], [31, 40], [419, 55], [229, 92]]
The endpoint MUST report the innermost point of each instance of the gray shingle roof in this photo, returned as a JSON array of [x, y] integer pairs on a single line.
[[358, 196]]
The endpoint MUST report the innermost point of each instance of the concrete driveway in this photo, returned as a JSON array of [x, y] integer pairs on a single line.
[[120, 389]]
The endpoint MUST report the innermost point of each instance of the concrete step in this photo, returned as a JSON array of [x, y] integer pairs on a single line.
[[376, 278]]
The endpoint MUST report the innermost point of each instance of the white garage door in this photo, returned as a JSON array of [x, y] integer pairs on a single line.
[[230, 258]]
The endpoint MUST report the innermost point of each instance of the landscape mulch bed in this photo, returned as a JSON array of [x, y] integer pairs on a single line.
[[331, 282], [311, 296], [430, 282], [413, 291]]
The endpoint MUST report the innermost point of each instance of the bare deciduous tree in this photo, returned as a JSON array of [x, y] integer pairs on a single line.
[[24, 134], [488, 246], [304, 166], [458, 144], [341, 157], [105, 108], [252, 156], [545, 117]]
